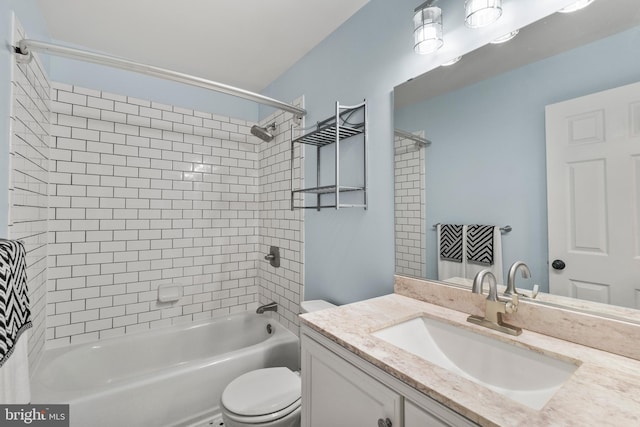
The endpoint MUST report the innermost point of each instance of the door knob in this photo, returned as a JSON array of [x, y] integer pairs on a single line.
[[558, 264]]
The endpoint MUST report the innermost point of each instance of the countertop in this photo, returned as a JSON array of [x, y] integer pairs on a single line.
[[604, 389]]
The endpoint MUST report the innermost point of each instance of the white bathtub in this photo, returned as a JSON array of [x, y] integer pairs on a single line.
[[167, 377]]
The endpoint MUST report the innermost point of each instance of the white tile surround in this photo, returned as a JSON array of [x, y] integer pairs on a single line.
[[143, 194], [279, 225], [29, 154], [410, 226]]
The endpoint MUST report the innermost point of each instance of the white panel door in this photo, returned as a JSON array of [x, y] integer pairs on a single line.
[[593, 189]]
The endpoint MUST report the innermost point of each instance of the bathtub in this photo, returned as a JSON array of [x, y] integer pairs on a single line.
[[167, 377]]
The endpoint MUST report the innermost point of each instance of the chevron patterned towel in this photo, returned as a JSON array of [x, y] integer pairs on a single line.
[[15, 316], [451, 242], [480, 244]]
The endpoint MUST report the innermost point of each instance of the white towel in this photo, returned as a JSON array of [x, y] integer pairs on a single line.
[[472, 268], [446, 267], [14, 374]]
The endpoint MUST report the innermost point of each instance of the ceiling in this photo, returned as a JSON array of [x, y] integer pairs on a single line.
[[243, 43]]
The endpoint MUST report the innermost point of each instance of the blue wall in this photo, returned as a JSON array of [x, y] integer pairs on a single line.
[[128, 83], [487, 162], [29, 16], [349, 253]]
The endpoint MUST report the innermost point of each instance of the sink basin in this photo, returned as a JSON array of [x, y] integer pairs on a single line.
[[521, 374]]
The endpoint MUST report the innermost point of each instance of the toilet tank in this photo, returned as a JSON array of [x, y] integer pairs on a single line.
[[315, 305]]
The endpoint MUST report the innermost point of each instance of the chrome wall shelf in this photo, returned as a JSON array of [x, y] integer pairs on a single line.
[[328, 135], [330, 131]]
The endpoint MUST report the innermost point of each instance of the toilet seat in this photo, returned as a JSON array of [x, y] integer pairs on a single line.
[[262, 395], [263, 419]]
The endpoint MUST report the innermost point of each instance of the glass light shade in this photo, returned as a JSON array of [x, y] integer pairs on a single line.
[[451, 62], [479, 13], [580, 4], [506, 37], [427, 30]]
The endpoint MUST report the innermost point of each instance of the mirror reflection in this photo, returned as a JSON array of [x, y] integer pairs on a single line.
[[489, 124]]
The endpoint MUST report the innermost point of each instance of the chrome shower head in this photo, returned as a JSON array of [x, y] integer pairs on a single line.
[[263, 132]]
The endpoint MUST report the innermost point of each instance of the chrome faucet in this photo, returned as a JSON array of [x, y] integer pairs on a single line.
[[272, 306], [494, 309], [511, 281], [478, 283]]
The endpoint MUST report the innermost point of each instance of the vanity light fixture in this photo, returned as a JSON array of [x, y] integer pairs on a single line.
[[453, 61], [480, 13], [506, 37], [427, 28], [580, 4]]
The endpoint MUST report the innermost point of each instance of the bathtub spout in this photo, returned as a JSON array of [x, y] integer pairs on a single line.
[[272, 306]]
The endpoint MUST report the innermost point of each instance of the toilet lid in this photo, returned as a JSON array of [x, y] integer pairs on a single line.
[[262, 391]]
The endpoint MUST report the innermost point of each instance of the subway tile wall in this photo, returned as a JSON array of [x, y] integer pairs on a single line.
[[144, 194], [279, 225], [29, 154], [409, 195]]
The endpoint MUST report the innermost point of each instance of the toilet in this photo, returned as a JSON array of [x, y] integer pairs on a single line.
[[268, 397]]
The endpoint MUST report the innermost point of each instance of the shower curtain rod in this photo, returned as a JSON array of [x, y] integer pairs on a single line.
[[27, 46], [422, 142]]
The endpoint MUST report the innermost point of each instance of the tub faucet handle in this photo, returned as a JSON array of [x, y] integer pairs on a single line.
[[273, 256]]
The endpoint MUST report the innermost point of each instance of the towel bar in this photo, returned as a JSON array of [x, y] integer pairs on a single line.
[[505, 229]]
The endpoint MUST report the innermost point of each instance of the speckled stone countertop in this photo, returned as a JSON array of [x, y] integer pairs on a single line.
[[604, 390]]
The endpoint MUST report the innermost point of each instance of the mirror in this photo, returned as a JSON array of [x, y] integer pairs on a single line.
[[485, 116]]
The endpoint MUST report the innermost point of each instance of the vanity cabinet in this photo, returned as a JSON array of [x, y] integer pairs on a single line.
[[336, 393], [341, 389], [414, 416]]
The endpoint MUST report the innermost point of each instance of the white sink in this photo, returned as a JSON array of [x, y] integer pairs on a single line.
[[521, 374]]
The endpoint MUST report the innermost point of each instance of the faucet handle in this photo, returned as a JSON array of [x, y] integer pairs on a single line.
[[512, 306], [534, 292]]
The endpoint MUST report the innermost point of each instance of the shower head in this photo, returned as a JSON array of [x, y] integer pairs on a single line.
[[263, 132]]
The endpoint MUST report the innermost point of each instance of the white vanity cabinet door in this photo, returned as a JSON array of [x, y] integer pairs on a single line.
[[339, 389], [335, 393], [415, 416]]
